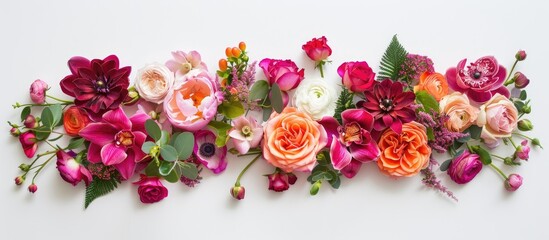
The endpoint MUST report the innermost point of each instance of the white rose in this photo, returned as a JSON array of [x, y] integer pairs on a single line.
[[153, 82], [316, 98]]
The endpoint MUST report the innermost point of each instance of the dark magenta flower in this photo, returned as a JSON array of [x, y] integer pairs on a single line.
[[280, 181], [71, 170], [151, 189], [97, 85], [464, 167], [389, 105]]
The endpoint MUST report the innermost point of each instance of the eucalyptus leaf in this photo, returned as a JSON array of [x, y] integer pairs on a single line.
[[276, 98], [474, 131], [189, 170], [173, 177], [147, 146], [267, 113], [153, 129], [25, 113], [184, 144], [168, 153], [166, 168], [259, 90], [164, 138], [152, 169]]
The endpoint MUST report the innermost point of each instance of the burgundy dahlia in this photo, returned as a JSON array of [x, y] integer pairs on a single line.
[[389, 105], [97, 85]]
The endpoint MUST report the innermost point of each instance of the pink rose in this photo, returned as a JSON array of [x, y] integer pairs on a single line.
[[283, 72], [317, 49], [151, 189], [465, 167], [513, 182], [38, 91], [356, 76], [72, 171], [498, 118]]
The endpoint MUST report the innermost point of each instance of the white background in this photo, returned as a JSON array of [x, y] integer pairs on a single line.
[[38, 37]]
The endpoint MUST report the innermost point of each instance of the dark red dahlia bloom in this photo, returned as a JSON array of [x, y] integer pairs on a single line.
[[389, 105], [97, 85]]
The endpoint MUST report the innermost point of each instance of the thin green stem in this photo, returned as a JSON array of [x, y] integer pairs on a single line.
[[18, 105], [59, 100], [508, 80], [498, 170], [500, 157], [237, 183], [524, 136], [36, 130], [46, 153], [249, 153], [512, 142], [320, 66], [41, 167]]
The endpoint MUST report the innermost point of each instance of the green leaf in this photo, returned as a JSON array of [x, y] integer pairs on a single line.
[[75, 143], [168, 153], [99, 187], [474, 131], [276, 98], [259, 90], [173, 138], [222, 130], [173, 177], [523, 95], [166, 168], [188, 170], [57, 114], [152, 169], [47, 118], [445, 165], [147, 146], [25, 113], [344, 102], [267, 113], [184, 145], [232, 109], [335, 182], [429, 102], [430, 134], [392, 60], [164, 138], [42, 133], [485, 157], [153, 129]]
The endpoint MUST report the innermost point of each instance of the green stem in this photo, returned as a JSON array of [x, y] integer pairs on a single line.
[[36, 130], [45, 153], [524, 136], [60, 100], [18, 105], [41, 167], [249, 153], [237, 183], [469, 147], [508, 80], [320, 64], [500, 157], [498, 170], [512, 142]]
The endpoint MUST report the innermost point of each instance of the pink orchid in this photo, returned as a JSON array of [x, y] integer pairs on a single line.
[[246, 134], [117, 140], [182, 63], [207, 153], [351, 143], [72, 171]]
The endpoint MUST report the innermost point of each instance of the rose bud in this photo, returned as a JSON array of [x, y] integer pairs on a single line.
[[292, 178], [33, 188], [28, 142], [513, 182], [278, 182], [38, 91], [521, 55], [523, 150], [19, 180], [15, 132], [526, 109], [238, 192], [315, 187], [536, 142], [521, 81], [150, 189], [317, 49], [71, 170], [30, 122], [525, 125], [24, 167], [464, 167]]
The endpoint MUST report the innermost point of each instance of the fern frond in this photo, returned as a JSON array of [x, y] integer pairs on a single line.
[[344, 102], [392, 60], [99, 187]]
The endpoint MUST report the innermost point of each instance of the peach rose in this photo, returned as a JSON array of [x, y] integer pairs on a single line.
[[434, 83], [153, 82], [406, 154], [498, 118], [292, 140], [462, 114]]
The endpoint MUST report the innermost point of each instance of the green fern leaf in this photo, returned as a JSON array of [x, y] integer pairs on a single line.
[[99, 187], [392, 60], [344, 102]]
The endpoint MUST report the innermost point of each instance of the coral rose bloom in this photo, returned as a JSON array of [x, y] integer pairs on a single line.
[[460, 112], [405, 154], [292, 139], [434, 83]]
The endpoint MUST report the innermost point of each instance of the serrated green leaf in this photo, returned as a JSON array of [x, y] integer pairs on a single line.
[[188, 170], [221, 129], [25, 113], [445, 165], [147, 146], [47, 118], [99, 187], [392, 60], [276, 98], [166, 168], [75, 143], [427, 100], [168, 153], [184, 145], [259, 90], [153, 129]]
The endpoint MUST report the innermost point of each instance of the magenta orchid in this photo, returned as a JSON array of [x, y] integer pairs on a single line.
[[117, 140], [71, 170], [351, 143], [207, 153], [182, 63], [246, 133]]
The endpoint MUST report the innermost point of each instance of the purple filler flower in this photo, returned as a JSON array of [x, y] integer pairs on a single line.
[[465, 167]]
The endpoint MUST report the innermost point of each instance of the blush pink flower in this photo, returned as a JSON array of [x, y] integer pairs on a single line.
[[246, 133], [117, 140], [38, 91], [207, 153], [513, 182], [357, 76], [182, 63], [480, 81], [498, 118], [151, 189], [70, 170], [28, 142]]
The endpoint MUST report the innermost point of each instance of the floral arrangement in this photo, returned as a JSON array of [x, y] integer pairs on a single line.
[[179, 119]]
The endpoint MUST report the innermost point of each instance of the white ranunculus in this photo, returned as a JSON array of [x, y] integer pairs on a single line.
[[153, 82], [316, 98]]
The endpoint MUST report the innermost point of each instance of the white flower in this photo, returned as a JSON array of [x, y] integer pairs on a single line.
[[153, 82], [316, 98]]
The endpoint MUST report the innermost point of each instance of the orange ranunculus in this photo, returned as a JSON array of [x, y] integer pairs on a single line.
[[406, 154], [292, 140], [434, 83], [74, 119]]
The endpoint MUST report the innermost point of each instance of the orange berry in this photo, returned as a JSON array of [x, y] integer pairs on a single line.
[[222, 64], [228, 52], [242, 46], [236, 52], [224, 82]]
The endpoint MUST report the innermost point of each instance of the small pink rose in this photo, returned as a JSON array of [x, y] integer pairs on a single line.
[[283, 72], [38, 91], [151, 189], [356, 76]]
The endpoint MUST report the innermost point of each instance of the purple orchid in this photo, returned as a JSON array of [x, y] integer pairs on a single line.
[[351, 143], [116, 140], [207, 153]]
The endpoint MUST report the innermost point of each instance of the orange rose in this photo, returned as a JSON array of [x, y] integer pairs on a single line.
[[460, 112], [292, 140], [434, 83], [406, 154], [74, 119]]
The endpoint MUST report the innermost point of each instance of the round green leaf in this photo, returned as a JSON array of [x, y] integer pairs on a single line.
[[153, 129], [168, 153], [184, 144], [166, 168], [147, 146], [47, 118], [259, 90], [188, 170], [276, 98], [25, 113]]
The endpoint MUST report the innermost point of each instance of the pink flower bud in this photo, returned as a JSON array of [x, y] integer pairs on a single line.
[[521, 81], [238, 192], [19, 180], [28, 142], [38, 91], [317, 49], [292, 178], [523, 150], [33, 188], [513, 182], [278, 182], [464, 167], [150, 189], [521, 55], [30, 122], [15, 132]]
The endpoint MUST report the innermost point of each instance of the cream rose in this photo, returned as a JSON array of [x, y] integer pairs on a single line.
[[315, 98], [498, 118], [462, 114], [153, 82]]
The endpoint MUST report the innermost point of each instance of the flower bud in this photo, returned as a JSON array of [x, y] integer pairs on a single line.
[[238, 192], [19, 180], [513, 182], [315, 188], [15, 132], [536, 142], [523, 150], [33, 188], [24, 167], [525, 125], [521, 81], [38, 91], [30, 122], [526, 109], [278, 182], [521, 55], [292, 178]]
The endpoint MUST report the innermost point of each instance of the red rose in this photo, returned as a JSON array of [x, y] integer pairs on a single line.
[[317, 49], [356, 76], [151, 189]]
